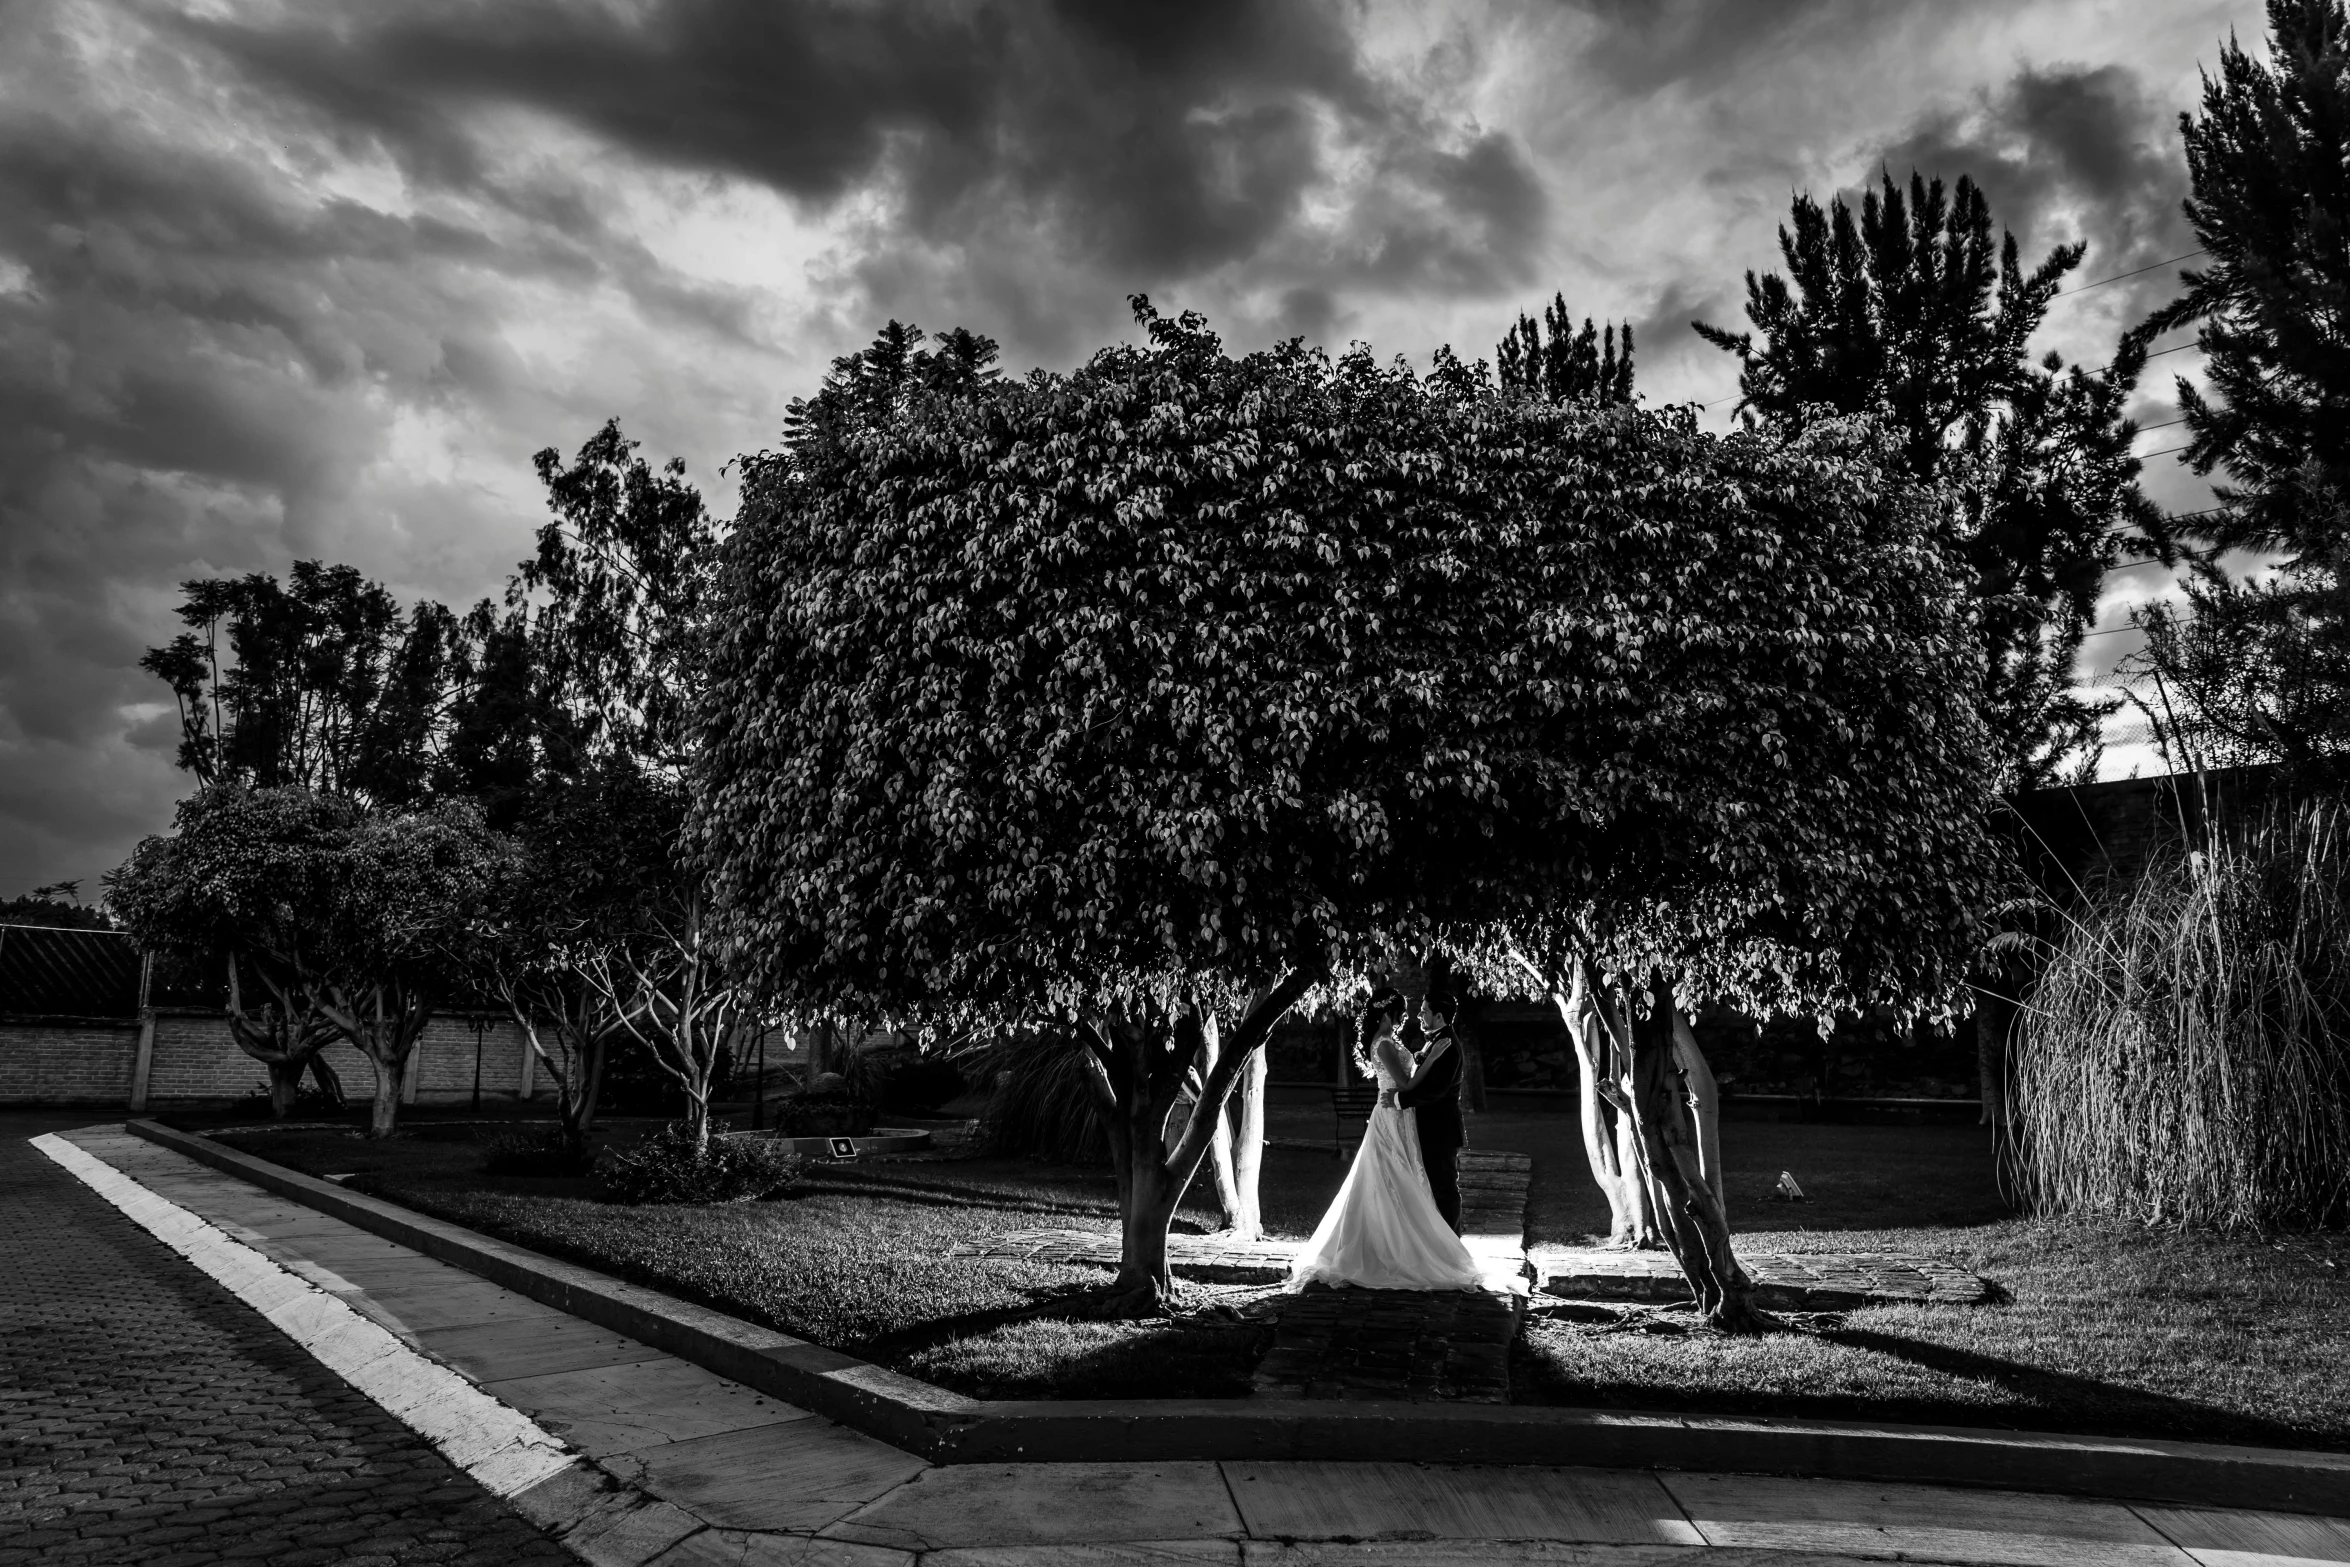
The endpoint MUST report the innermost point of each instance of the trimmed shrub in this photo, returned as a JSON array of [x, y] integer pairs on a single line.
[[664, 1169]]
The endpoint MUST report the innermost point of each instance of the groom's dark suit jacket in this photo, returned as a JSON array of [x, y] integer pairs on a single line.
[[1436, 1101]]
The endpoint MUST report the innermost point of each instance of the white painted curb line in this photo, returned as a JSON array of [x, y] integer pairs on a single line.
[[499, 1447]]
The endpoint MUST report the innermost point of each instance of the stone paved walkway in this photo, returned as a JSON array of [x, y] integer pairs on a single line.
[[710, 1472], [148, 1416], [1783, 1282]]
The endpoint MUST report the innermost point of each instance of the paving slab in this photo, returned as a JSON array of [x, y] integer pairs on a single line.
[[2250, 1539], [796, 1475], [1370, 1501], [1517, 1553], [1131, 1553], [1048, 1504], [619, 1409], [751, 1548], [1928, 1522], [629, 1531], [531, 1346], [422, 1300]]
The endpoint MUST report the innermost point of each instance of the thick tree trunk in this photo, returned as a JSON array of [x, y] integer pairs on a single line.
[[1145, 1284], [285, 1084], [324, 1076], [1705, 1104], [391, 1080], [1247, 1123], [384, 1025], [1137, 1067], [1608, 1141], [1673, 1164]]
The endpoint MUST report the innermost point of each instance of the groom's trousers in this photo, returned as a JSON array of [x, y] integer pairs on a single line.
[[1444, 1181]]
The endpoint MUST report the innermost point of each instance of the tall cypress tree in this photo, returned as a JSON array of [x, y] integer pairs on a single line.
[[1567, 364], [2264, 670], [1915, 313]]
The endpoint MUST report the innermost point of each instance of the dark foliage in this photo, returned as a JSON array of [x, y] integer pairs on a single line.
[[2266, 669], [534, 1151], [664, 1168], [1913, 313], [923, 1083], [1040, 1108], [55, 913], [1571, 365]]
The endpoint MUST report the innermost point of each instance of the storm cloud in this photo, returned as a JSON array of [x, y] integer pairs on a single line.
[[287, 280]]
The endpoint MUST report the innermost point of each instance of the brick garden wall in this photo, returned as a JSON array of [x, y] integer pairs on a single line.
[[196, 1059], [67, 1063]]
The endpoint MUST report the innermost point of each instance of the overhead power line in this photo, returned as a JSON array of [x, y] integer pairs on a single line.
[[2083, 288]]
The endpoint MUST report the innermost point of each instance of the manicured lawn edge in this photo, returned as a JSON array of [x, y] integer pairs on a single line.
[[947, 1428]]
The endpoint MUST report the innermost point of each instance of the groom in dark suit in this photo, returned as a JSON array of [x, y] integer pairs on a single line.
[[1434, 1098]]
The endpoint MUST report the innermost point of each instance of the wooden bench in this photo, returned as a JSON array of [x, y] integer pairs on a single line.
[[1350, 1106]]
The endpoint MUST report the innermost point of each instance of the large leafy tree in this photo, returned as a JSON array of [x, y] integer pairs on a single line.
[[1158, 695], [1911, 311], [1735, 755], [2263, 671], [1089, 699], [326, 919]]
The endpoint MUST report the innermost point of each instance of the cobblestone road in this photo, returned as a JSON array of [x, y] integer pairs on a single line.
[[148, 1416]]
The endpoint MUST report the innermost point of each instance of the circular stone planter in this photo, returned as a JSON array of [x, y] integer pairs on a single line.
[[882, 1139]]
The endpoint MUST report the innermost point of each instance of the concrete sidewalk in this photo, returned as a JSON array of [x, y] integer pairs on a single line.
[[672, 1464]]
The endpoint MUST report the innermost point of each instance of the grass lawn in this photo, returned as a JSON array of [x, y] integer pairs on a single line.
[[2106, 1329], [861, 1270]]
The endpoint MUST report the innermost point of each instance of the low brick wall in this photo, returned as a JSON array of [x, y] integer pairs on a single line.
[[67, 1063], [194, 1058]]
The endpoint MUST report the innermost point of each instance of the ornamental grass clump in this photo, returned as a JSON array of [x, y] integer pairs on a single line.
[[667, 1168], [2187, 1058]]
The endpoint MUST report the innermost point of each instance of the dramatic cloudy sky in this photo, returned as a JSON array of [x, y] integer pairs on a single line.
[[314, 278]]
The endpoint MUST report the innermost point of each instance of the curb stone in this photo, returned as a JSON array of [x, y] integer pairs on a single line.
[[947, 1428]]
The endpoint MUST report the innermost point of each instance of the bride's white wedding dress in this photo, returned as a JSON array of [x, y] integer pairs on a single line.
[[1383, 1230]]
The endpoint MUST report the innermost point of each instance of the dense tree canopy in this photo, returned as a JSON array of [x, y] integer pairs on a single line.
[[1157, 693]]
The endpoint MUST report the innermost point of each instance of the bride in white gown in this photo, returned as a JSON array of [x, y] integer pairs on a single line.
[[1383, 1230]]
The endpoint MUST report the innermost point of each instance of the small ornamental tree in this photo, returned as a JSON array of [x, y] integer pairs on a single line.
[[363, 919], [1095, 699], [234, 892], [1729, 709]]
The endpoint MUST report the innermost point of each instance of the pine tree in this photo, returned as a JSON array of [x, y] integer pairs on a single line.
[[2263, 669], [1590, 365], [1915, 314], [2270, 163]]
